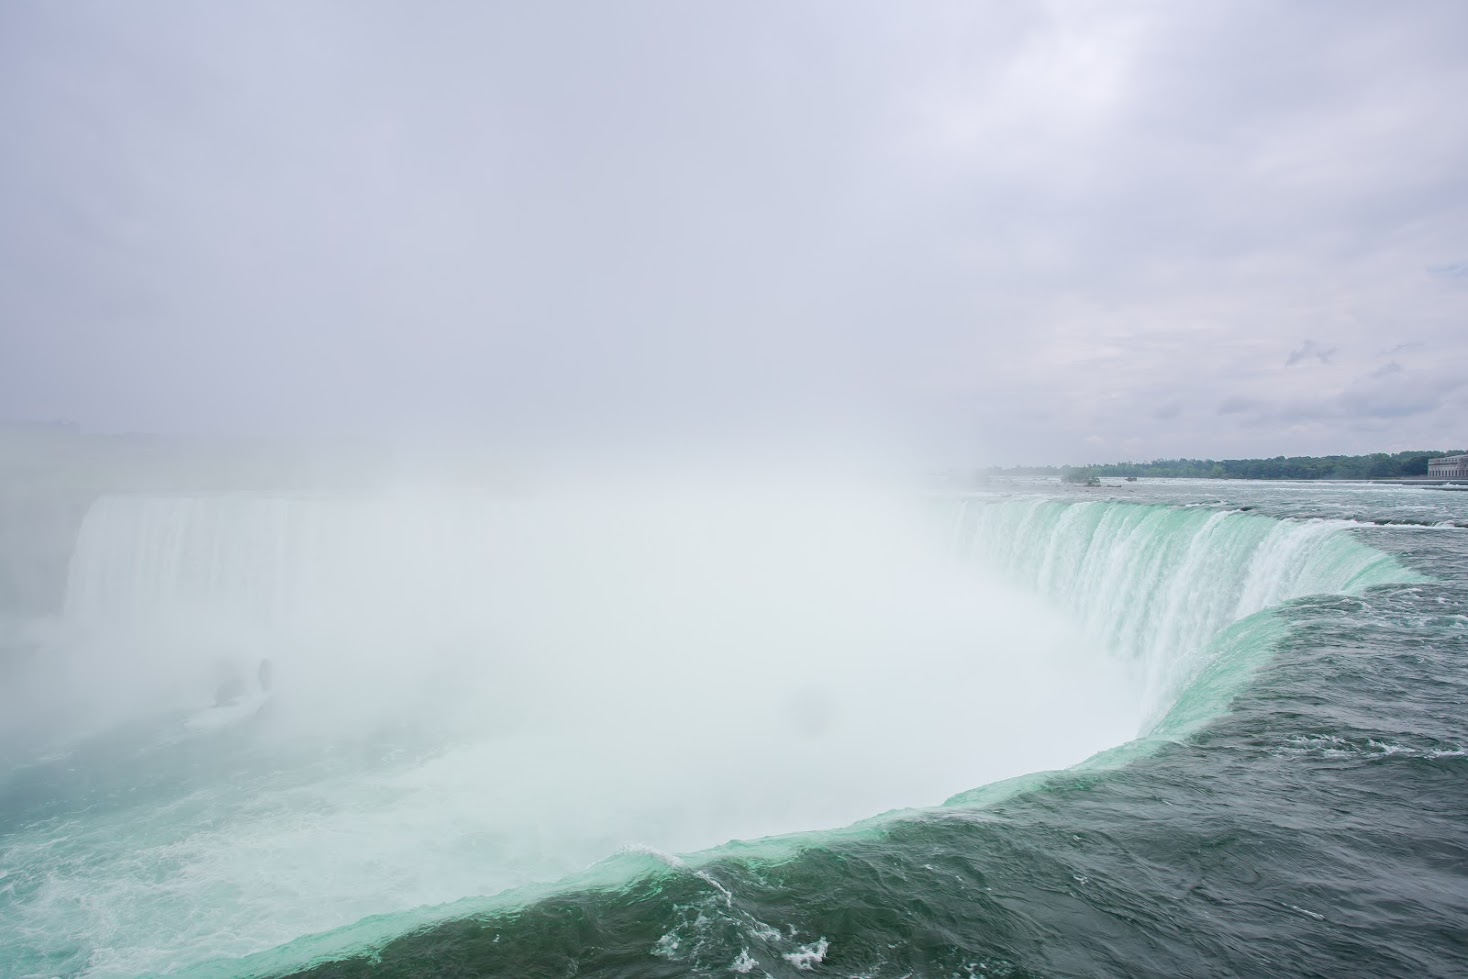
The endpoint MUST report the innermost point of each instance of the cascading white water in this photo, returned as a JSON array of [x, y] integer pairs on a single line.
[[357, 600], [303, 563], [453, 575], [664, 669], [1155, 584]]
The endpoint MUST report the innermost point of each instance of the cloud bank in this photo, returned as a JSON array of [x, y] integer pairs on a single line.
[[994, 232]]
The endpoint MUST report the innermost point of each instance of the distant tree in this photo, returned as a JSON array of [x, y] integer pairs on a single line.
[[1413, 466], [1383, 465], [1378, 465]]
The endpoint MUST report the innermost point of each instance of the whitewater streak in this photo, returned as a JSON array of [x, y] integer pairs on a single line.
[[1158, 585]]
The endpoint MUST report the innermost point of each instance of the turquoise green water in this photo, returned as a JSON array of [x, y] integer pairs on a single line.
[[1279, 793]]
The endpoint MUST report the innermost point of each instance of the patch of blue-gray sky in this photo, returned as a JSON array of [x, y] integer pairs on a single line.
[[1009, 231]]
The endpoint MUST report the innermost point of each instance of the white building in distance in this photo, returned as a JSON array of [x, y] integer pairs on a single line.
[[1448, 467]]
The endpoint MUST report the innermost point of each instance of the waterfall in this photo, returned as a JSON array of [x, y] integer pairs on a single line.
[[294, 564], [1156, 585]]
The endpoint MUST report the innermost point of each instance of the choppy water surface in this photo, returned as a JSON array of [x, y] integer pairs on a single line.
[[1150, 729]]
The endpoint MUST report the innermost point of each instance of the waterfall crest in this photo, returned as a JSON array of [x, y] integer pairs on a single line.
[[1157, 585]]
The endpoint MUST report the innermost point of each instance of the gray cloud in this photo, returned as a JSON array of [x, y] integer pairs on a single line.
[[1385, 395], [1310, 350], [1167, 411], [999, 229], [1399, 395], [1239, 406]]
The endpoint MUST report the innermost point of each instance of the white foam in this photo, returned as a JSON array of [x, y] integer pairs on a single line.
[[807, 957]]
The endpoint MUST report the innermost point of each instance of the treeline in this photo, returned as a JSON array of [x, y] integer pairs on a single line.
[[1378, 465]]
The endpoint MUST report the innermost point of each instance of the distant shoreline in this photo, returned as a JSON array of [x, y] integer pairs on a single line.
[[1397, 467]]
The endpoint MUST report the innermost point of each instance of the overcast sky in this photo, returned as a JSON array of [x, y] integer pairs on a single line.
[[1049, 232]]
